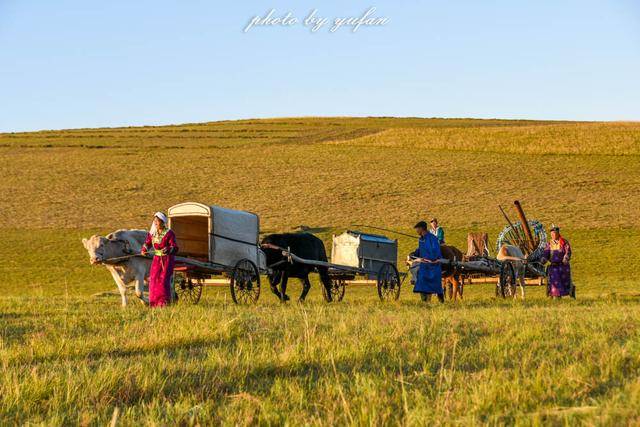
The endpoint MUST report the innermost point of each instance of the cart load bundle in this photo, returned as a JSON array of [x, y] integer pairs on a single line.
[[477, 245], [528, 235], [365, 251], [216, 235], [512, 235]]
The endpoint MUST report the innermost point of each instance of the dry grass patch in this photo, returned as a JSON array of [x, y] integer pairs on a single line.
[[579, 138]]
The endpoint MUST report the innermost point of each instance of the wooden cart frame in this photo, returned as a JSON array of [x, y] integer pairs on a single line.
[[223, 243], [216, 242], [387, 278]]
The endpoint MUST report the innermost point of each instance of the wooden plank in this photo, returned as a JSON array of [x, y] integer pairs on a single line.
[[204, 265], [361, 282], [494, 280], [217, 282], [299, 260], [198, 249]]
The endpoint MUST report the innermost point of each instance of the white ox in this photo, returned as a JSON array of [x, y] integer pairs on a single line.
[[120, 244], [515, 255]]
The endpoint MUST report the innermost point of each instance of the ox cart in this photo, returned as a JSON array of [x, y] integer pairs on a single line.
[[361, 258], [216, 242], [478, 266], [508, 276], [222, 243]]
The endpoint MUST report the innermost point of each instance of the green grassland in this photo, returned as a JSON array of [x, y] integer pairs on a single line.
[[69, 354]]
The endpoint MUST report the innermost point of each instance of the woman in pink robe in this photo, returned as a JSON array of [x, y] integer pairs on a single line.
[[162, 242]]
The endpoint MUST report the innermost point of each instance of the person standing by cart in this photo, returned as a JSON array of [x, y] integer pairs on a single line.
[[162, 242], [437, 231], [429, 275], [558, 254]]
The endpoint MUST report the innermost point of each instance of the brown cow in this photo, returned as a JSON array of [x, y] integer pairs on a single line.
[[450, 275]]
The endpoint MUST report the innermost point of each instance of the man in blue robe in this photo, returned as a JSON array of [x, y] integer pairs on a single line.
[[429, 280]]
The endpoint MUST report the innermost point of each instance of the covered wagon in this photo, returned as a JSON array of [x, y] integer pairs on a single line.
[[371, 256], [216, 241], [362, 250]]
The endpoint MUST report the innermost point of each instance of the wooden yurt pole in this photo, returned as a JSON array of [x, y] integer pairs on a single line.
[[513, 233], [525, 225]]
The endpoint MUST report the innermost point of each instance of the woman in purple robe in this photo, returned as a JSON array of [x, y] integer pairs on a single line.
[[558, 254], [162, 242]]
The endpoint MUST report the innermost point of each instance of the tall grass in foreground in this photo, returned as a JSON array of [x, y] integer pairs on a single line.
[[358, 362]]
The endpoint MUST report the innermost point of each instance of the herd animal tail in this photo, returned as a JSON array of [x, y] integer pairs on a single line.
[[324, 271], [324, 276]]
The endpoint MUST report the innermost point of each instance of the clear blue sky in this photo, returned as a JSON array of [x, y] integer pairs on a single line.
[[83, 63]]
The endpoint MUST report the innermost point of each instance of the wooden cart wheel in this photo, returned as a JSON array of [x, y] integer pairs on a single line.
[[337, 290], [186, 289], [507, 285], [388, 282], [245, 282]]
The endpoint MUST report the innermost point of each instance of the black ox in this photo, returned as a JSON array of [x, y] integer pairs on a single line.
[[304, 245]]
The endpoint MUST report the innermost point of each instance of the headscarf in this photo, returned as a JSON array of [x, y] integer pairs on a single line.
[[560, 243], [162, 217]]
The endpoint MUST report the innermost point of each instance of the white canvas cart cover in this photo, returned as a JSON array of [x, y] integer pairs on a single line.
[[362, 250], [218, 235]]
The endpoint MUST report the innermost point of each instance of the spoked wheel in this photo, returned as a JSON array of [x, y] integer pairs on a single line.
[[337, 290], [388, 282], [245, 282], [507, 287], [186, 289]]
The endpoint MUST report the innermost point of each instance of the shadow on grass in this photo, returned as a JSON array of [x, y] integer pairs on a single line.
[[171, 350], [218, 384], [17, 334]]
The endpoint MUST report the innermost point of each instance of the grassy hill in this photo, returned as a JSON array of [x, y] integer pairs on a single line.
[[69, 357]]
